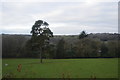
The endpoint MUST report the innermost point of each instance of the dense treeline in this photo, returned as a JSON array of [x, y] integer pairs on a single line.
[[13, 45], [93, 45]]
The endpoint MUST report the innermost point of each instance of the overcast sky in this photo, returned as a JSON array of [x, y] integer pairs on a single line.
[[63, 17]]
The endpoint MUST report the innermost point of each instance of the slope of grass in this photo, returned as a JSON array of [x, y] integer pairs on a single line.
[[59, 68]]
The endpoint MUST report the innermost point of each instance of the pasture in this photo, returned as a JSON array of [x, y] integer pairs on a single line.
[[61, 68]]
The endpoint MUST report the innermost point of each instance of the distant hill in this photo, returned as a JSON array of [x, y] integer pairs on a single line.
[[13, 45], [70, 38], [105, 36]]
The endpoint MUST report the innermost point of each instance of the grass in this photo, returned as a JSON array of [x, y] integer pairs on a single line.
[[59, 68]]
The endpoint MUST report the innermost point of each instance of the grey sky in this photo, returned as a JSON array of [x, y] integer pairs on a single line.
[[63, 17]]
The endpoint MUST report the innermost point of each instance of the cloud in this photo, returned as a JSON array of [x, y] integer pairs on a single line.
[[17, 29], [88, 1], [50, 14], [63, 17]]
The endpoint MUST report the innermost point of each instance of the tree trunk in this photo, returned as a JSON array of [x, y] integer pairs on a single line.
[[40, 55]]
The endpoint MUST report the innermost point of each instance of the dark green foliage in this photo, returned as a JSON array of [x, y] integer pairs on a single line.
[[13, 45], [87, 48], [82, 35], [38, 30], [40, 36], [104, 50], [70, 53], [118, 49], [17, 46], [49, 51], [31, 50], [60, 53], [113, 48]]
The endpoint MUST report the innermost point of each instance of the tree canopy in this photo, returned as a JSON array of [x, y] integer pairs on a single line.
[[82, 35], [40, 35]]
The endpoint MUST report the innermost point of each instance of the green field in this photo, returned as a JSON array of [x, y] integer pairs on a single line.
[[59, 68]]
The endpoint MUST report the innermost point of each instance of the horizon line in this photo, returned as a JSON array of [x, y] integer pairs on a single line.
[[63, 34]]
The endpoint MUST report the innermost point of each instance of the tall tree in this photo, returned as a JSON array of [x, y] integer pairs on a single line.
[[40, 35], [82, 35]]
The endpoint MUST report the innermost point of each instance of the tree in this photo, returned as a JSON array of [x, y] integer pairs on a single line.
[[13, 45], [82, 35], [49, 51], [60, 52], [87, 48], [113, 48], [70, 51], [40, 35], [104, 50]]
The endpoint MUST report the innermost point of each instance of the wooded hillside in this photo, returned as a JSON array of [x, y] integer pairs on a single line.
[[63, 46]]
